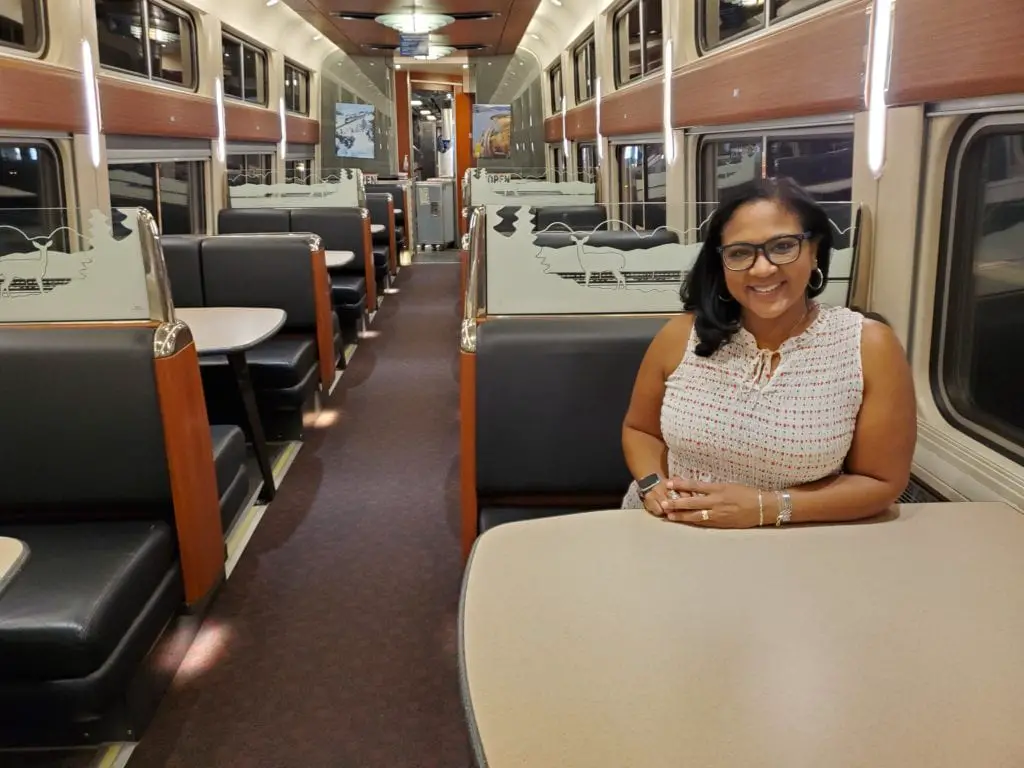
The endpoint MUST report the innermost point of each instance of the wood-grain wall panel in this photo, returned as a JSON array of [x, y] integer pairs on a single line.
[[635, 110], [245, 123], [143, 110], [813, 67], [581, 122], [302, 130], [553, 129], [40, 97], [956, 49]]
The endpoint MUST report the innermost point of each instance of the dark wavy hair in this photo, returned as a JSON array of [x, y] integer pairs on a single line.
[[716, 319]]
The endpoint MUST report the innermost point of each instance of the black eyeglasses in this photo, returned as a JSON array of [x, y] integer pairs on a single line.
[[783, 249]]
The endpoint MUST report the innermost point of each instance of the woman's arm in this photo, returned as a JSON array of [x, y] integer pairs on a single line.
[[877, 466], [642, 443]]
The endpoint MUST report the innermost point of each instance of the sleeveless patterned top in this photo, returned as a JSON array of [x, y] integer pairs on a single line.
[[728, 419]]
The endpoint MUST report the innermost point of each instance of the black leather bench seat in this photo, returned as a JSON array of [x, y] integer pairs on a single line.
[[277, 363], [348, 289], [80, 591]]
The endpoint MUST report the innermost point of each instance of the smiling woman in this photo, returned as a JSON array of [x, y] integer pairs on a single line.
[[759, 405]]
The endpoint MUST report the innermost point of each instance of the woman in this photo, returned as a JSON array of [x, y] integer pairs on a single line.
[[758, 406]]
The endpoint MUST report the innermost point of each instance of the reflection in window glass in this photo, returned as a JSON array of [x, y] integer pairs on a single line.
[[171, 191], [298, 171], [558, 162], [31, 196], [296, 89], [585, 67], [732, 19], [245, 70], [21, 24], [984, 316], [783, 9], [638, 42], [586, 163], [167, 53], [642, 185], [555, 80], [250, 169]]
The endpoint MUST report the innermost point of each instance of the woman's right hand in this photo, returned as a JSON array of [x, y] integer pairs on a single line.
[[654, 499]]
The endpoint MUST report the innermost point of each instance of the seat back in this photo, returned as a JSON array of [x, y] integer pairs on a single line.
[[241, 221], [551, 394], [83, 432], [262, 271], [578, 217], [182, 256], [342, 229], [377, 205], [621, 239], [397, 192]]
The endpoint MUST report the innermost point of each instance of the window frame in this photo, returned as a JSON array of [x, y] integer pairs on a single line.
[[700, 29], [148, 52], [306, 77], [621, 11], [43, 37], [951, 391], [198, 214], [589, 46], [228, 34], [556, 68]]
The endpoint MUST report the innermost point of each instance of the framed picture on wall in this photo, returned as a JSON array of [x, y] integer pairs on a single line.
[[492, 130], [354, 130]]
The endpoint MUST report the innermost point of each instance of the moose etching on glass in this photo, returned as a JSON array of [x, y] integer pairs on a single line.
[[34, 269]]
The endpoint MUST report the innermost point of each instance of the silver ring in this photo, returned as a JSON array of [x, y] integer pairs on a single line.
[[704, 514]]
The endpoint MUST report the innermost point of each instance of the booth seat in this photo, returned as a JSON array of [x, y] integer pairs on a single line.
[[555, 447], [229, 460], [617, 238], [401, 202], [353, 296], [584, 218], [260, 270], [87, 486], [381, 206]]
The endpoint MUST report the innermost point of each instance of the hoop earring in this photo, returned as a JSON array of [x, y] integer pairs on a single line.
[[821, 279], [726, 298]]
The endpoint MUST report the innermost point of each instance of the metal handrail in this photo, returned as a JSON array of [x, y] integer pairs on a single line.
[[475, 300]]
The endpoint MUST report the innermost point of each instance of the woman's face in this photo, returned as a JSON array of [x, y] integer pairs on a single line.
[[765, 289]]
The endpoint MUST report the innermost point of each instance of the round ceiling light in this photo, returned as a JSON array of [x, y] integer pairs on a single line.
[[411, 23]]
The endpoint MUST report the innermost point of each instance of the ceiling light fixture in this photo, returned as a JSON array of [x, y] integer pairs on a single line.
[[415, 22], [436, 52]]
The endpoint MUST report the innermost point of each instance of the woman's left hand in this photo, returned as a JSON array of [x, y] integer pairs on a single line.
[[725, 505]]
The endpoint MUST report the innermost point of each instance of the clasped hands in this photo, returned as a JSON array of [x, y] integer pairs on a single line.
[[711, 505]]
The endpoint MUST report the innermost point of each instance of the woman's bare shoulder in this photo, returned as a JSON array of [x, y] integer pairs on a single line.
[[669, 344]]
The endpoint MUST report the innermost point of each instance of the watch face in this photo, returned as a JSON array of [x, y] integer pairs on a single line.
[[645, 484]]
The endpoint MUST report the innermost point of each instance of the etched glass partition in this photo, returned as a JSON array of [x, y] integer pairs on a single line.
[[510, 188], [590, 262], [109, 270], [338, 188]]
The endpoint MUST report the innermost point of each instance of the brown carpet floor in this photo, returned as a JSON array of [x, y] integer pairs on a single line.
[[333, 645]]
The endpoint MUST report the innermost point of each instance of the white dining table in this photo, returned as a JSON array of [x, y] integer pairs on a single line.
[[13, 554], [339, 258], [612, 639], [376, 229], [231, 331]]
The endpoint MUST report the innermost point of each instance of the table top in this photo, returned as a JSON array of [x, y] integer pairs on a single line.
[[13, 554], [221, 330], [339, 258], [375, 228], [612, 639], [397, 211]]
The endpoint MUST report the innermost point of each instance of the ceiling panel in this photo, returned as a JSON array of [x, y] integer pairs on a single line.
[[500, 34]]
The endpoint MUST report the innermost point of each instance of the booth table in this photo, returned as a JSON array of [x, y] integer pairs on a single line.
[[230, 331], [13, 553], [615, 639], [337, 259]]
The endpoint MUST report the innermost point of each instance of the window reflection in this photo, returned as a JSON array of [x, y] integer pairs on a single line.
[[31, 196], [642, 185], [555, 80], [586, 71], [21, 24], [638, 41], [250, 169], [166, 53], [171, 191], [244, 71]]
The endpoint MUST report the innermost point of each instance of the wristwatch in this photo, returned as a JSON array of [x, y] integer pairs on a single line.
[[647, 484]]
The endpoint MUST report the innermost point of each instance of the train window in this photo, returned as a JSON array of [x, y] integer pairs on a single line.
[[637, 40], [296, 88], [555, 81], [725, 20], [22, 24], [642, 185], [558, 162], [981, 302], [298, 171], [31, 195], [245, 70], [249, 169], [585, 66], [170, 190], [147, 38], [586, 163]]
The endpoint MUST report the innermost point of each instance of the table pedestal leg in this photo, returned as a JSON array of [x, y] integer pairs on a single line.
[[253, 427]]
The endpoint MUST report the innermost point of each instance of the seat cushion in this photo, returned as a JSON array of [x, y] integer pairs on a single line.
[[277, 363], [348, 289], [228, 454], [80, 590], [380, 257]]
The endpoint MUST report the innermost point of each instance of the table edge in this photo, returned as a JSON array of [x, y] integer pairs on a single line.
[[479, 758], [19, 563], [242, 348]]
